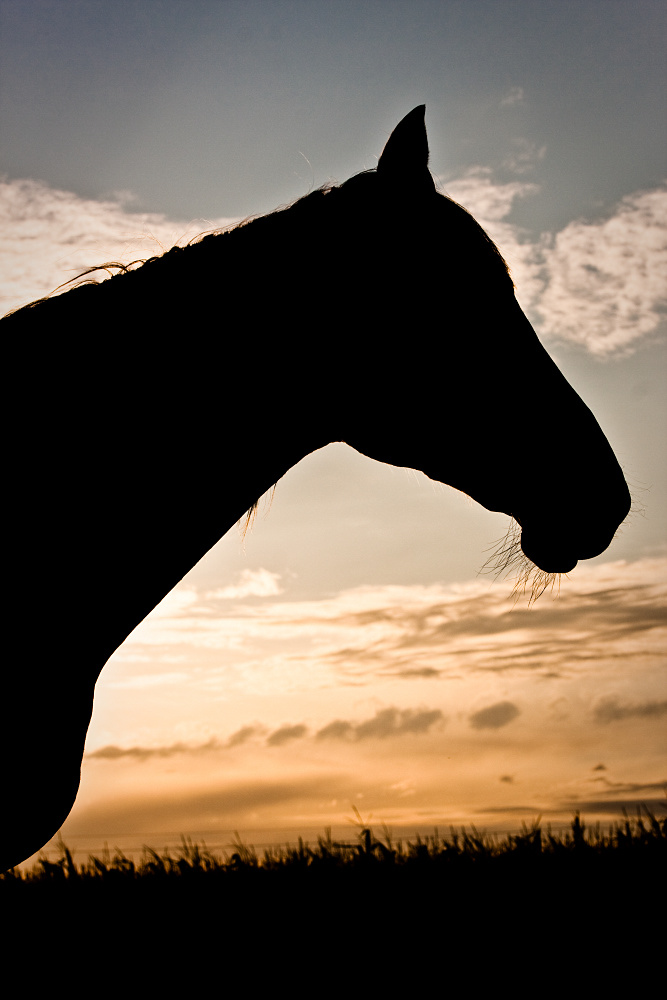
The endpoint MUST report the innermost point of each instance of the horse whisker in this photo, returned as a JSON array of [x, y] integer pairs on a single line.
[[508, 559]]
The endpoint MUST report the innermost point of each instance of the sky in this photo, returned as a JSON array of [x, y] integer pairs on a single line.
[[346, 653]]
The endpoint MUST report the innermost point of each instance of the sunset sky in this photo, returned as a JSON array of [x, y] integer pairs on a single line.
[[346, 653]]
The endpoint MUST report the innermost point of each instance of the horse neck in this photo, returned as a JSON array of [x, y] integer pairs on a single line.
[[211, 449], [165, 416]]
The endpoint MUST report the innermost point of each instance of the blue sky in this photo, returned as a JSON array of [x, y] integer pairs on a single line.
[[205, 107], [124, 123]]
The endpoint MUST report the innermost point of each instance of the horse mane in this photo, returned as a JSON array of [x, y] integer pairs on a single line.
[[309, 202], [306, 210]]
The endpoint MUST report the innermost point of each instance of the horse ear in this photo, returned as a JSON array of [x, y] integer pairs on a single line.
[[404, 160]]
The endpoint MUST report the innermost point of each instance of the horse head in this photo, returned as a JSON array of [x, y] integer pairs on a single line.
[[456, 383]]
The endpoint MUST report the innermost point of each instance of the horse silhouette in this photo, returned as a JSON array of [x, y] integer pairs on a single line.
[[148, 412]]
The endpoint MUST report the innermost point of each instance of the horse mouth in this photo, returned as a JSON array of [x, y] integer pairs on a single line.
[[554, 552], [546, 550], [547, 557]]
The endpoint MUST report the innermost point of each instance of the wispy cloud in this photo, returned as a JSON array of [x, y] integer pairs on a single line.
[[515, 95], [216, 806], [599, 283], [410, 634], [611, 709], [50, 236], [630, 799], [252, 583], [524, 157]]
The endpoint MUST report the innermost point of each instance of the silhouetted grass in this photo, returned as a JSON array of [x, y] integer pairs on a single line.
[[465, 909], [640, 842]]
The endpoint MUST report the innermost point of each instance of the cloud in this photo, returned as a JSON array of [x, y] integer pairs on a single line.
[[386, 722], [611, 710], [617, 807], [524, 157], [217, 807], [252, 583], [487, 200], [159, 679], [242, 735], [285, 735], [598, 284], [50, 236], [428, 673], [495, 716], [604, 282], [515, 95], [338, 730], [112, 753], [612, 808]]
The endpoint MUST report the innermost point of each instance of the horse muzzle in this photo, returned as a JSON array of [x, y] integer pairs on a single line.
[[558, 548], [547, 553]]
